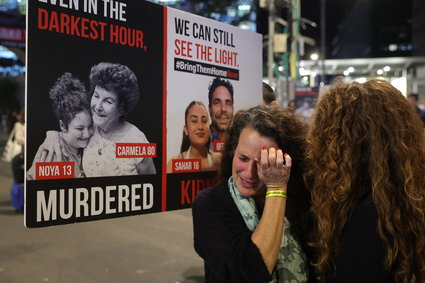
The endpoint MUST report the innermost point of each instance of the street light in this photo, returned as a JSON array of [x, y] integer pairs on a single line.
[[314, 56]]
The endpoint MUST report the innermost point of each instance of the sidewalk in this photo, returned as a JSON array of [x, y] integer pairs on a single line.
[[148, 248]]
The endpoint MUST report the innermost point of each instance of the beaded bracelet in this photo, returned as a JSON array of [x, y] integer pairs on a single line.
[[276, 193]]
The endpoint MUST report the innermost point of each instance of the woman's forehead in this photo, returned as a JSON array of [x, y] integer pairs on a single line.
[[197, 109], [252, 138]]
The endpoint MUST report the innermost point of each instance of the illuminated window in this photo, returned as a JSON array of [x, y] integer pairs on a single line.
[[392, 47]]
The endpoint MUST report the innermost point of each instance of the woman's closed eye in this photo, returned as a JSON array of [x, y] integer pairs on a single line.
[[243, 158], [110, 101]]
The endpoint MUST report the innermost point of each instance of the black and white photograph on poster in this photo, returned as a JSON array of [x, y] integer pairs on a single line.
[[95, 110], [93, 127], [224, 67]]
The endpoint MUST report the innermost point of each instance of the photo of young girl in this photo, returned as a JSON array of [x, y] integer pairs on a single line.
[[197, 139]]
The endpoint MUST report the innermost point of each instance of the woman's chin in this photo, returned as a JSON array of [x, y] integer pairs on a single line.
[[198, 144], [83, 145], [250, 191], [247, 191], [98, 121]]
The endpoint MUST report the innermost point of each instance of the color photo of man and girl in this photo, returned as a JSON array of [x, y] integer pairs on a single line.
[[200, 138]]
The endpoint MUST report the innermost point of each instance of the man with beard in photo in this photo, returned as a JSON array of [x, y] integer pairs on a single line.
[[220, 105]]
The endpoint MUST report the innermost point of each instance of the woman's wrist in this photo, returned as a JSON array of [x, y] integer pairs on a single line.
[[276, 193], [276, 187]]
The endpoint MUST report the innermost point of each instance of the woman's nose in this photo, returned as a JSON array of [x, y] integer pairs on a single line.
[[86, 133], [200, 126], [252, 169], [98, 106]]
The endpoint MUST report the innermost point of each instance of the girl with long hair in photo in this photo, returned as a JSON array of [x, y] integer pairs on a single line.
[[197, 138]]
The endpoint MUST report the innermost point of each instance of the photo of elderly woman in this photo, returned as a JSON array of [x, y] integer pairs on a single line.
[[196, 139], [114, 93], [71, 106]]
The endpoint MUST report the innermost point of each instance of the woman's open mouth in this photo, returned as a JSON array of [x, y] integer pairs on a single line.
[[248, 183], [98, 114]]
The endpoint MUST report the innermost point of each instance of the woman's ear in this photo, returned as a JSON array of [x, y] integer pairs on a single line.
[[185, 130], [62, 126]]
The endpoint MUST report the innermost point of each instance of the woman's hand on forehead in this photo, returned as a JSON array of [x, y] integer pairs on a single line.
[[274, 167]]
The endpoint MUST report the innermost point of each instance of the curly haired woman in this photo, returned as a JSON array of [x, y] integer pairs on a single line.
[[244, 228], [367, 179]]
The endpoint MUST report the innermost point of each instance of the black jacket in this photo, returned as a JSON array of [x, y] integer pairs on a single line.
[[362, 253], [223, 240]]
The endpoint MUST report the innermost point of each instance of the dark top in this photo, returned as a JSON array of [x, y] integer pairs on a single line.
[[223, 240], [421, 115], [362, 253]]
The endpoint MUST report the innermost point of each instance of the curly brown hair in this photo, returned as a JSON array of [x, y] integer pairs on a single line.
[[365, 139], [69, 97], [118, 79], [282, 126]]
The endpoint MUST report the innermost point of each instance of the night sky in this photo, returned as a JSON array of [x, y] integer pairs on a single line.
[[336, 12]]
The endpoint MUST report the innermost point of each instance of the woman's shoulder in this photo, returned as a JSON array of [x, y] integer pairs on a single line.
[[130, 133], [19, 125], [212, 196]]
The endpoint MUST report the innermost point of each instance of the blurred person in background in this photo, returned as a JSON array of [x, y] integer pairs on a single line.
[[269, 96], [421, 104], [11, 120], [305, 110], [15, 141], [367, 179], [18, 170], [292, 105], [413, 99], [20, 127]]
